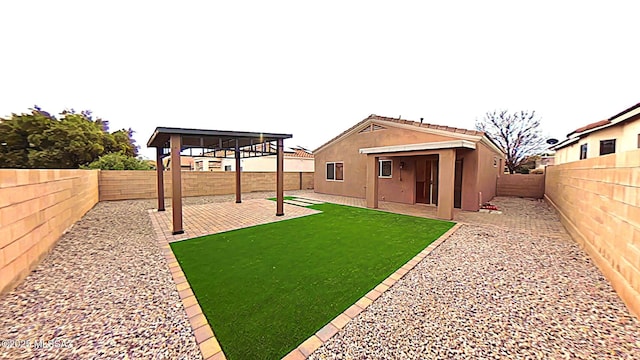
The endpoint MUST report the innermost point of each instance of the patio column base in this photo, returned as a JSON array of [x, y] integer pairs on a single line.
[[238, 201], [280, 214], [177, 232]]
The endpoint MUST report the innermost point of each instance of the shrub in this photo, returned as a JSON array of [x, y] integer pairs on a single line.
[[118, 161]]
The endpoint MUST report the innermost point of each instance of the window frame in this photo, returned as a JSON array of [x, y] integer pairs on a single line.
[[584, 146], [335, 172], [602, 143], [380, 175]]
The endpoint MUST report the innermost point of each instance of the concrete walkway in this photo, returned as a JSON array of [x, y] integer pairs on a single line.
[[528, 215]]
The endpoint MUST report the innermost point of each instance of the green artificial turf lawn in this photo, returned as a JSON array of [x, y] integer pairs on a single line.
[[267, 288]]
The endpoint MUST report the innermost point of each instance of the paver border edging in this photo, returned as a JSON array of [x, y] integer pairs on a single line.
[[323, 335], [205, 338]]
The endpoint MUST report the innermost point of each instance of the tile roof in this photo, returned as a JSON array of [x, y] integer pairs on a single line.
[[184, 161], [426, 125], [406, 122], [590, 126], [298, 153]]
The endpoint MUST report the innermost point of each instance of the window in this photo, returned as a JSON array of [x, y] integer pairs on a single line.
[[227, 168], [583, 151], [385, 169], [335, 171], [607, 146], [638, 141], [495, 161]]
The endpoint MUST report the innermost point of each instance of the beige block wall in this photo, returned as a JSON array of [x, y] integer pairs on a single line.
[[598, 201], [125, 185], [36, 208], [522, 185]]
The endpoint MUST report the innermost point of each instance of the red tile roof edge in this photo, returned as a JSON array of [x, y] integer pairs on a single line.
[[590, 126], [428, 125], [603, 122]]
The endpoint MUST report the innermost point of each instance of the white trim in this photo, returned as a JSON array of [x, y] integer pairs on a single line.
[[492, 146], [417, 147], [380, 169], [334, 170], [565, 143], [625, 116]]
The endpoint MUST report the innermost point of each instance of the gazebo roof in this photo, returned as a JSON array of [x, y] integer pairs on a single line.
[[211, 139], [177, 139]]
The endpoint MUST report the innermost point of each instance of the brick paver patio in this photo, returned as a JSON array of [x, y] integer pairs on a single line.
[[199, 220]]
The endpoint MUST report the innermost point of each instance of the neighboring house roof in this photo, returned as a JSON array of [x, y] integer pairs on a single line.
[[185, 161], [590, 126], [464, 134], [620, 118], [298, 152]]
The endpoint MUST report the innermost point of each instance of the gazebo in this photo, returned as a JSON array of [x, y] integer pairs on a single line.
[[228, 144]]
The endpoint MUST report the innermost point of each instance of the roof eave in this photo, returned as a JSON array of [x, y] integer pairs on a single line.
[[565, 143], [411, 127], [436, 145], [154, 142]]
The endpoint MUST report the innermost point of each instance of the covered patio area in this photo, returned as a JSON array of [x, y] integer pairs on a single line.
[[442, 182], [216, 143]]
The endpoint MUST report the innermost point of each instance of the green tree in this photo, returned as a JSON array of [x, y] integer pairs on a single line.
[[118, 161], [39, 140], [517, 134]]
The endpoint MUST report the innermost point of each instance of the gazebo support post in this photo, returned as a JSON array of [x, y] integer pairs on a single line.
[[238, 179], [280, 178], [176, 183], [160, 177]]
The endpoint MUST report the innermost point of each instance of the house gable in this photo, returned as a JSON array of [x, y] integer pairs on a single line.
[[374, 123], [371, 127]]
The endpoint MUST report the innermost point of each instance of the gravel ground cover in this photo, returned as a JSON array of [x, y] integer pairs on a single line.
[[104, 292], [491, 293], [487, 292]]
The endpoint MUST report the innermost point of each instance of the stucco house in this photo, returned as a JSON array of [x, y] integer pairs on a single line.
[[410, 162], [619, 133]]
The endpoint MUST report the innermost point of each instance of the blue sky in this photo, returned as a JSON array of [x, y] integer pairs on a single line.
[[315, 69]]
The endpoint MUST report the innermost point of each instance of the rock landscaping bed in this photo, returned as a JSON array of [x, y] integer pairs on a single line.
[[104, 292], [491, 293]]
